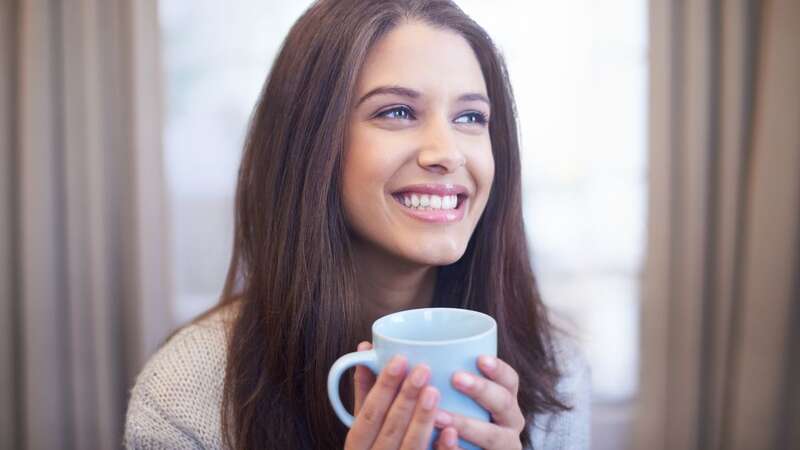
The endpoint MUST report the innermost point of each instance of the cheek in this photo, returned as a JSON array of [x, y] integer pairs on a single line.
[[483, 170], [487, 174], [370, 163]]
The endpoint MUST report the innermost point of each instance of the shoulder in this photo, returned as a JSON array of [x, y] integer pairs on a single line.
[[569, 429], [574, 366], [177, 396]]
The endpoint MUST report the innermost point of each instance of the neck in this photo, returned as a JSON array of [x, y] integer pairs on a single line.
[[387, 285]]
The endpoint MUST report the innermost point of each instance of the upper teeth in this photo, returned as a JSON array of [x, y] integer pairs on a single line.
[[420, 201]]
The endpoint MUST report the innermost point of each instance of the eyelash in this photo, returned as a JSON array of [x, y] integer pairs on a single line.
[[481, 118]]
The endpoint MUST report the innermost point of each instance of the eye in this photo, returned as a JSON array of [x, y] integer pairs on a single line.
[[399, 112], [473, 118]]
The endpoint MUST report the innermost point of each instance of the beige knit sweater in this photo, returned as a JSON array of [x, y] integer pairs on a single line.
[[176, 401]]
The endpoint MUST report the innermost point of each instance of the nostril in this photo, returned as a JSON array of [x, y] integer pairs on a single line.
[[438, 169]]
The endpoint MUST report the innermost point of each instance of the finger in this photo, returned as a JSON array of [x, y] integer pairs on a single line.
[[500, 403], [420, 429], [498, 370], [403, 408], [485, 435], [376, 404], [448, 439], [363, 380]]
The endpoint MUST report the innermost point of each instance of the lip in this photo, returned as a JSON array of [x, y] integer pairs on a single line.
[[435, 216], [435, 189]]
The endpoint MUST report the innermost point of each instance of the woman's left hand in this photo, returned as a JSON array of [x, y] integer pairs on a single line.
[[498, 394]]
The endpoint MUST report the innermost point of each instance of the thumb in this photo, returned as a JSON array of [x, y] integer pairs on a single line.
[[363, 379]]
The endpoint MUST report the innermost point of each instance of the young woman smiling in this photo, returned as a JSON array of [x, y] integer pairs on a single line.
[[381, 172]]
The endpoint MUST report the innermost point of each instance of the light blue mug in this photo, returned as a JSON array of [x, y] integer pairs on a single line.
[[445, 339]]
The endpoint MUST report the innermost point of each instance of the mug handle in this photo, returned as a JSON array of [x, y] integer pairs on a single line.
[[367, 358]]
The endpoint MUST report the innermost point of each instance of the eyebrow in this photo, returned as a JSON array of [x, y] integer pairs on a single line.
[[411, 93]]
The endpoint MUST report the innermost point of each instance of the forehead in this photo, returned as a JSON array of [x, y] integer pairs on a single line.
[[422, 57]]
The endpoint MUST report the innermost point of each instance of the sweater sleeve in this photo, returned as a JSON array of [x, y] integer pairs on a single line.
[[568, 430], [148, 428], [175, 402]]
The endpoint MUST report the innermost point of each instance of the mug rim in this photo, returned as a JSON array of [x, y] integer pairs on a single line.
[[492, 328]]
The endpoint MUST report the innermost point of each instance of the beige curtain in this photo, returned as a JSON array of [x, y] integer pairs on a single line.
[[720, 363], [83, 274]]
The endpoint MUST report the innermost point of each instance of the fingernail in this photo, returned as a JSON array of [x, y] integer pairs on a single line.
[[396, 366], [363, 346], [429, 398], [489, 363], [419, 377], [463, 380], [443, 419]]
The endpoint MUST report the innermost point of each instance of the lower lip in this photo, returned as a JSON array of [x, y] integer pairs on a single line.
[[435, 216]]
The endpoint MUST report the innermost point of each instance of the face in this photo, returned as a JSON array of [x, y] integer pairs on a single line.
[[418, 165]]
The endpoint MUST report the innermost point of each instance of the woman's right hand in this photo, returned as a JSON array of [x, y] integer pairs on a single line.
[[386, 418]]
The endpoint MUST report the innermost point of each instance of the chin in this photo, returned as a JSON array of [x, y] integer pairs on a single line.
[[436, 255]]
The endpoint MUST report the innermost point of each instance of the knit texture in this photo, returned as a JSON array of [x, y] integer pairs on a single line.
[[176, 401]]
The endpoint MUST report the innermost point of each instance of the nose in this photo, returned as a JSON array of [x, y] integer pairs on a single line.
[[439, 150]]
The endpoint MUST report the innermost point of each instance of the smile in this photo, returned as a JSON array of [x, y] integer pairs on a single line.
[[433, 203], [428, 202]]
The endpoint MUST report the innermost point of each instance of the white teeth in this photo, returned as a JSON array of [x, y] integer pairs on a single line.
[[427, 201], [424, 200]]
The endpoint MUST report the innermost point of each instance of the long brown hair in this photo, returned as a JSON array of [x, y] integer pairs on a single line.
[[292, 275]]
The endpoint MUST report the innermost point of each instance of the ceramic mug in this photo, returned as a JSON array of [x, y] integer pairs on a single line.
[[445, 339]]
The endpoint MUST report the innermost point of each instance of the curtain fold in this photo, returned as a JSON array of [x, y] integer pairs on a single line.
[[85, 292], [771, 242], [9, 400], [721, 282]]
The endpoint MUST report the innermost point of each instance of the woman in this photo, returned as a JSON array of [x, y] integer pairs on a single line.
[[381, 172]]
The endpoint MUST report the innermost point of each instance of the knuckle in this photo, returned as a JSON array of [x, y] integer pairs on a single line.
[[387, 382], [497, 440], [520, 421], [391, 430], [403, 407], [514, 378], [515, 443], [408, 393], [506, 401], [422, 417], [463, 426], [369, 415]]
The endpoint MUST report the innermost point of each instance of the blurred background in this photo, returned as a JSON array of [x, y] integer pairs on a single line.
[[661, 171]]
